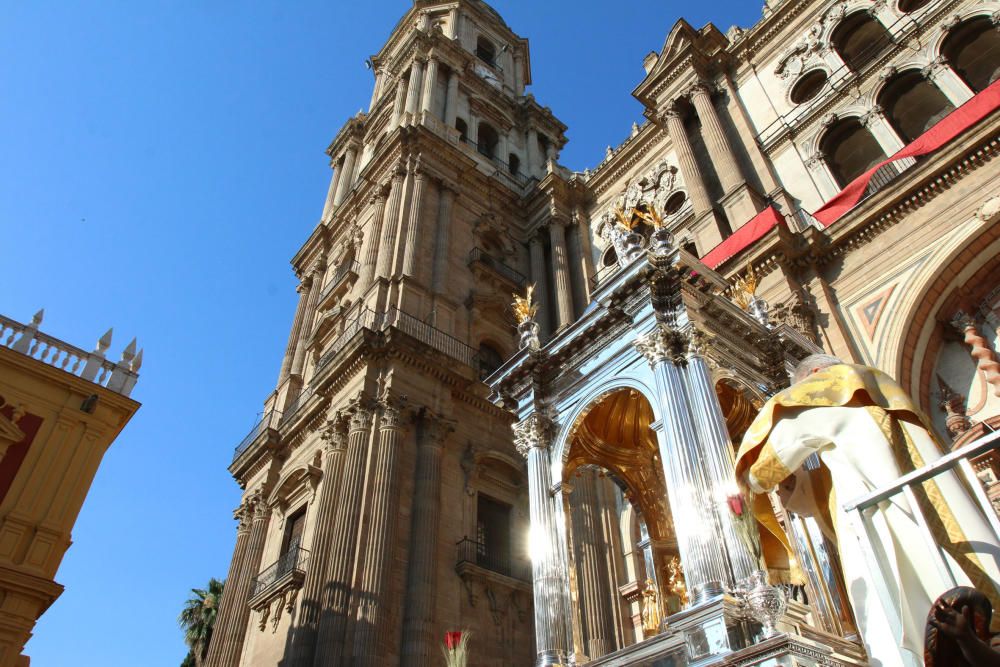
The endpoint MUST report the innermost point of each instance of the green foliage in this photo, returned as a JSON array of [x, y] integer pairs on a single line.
[[197, 619]]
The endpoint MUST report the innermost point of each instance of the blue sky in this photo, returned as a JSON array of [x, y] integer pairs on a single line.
[[160, 164]]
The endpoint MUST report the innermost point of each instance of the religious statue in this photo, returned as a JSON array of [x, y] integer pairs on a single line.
[[676, 583], [650, 610], [866, 433]]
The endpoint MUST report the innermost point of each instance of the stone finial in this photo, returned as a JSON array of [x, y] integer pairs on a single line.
[[104, 342], [36, 319], [128, 354], [137, 362], [953, 403]]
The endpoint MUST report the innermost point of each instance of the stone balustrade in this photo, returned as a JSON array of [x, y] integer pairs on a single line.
[[93, 366]]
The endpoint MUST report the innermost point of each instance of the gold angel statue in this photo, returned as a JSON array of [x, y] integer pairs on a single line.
[[524, 309], [650, 610], [745, 288]]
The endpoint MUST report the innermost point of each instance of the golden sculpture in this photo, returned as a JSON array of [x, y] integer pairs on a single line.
[[628, 220], [651, 216], [650, 610], [676, 583], [524, 309], [745, 288]]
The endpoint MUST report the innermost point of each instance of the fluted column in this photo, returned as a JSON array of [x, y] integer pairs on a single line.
[[293, 335], [331, 194], [304, 638], [230, 639], [442, 240], [227, 607], [705, 568], [390, 225], [560, 269], [577, 273], [693, 178], [413, 92], [398, 103], [419, 645], [383, 508], [346, 176], [334, 618], [599, 635], [372, 242], [532, 437], [315, 287], [719, 148], [430, 85], [716, 456], [451, 100], [539, 276], [411, 245]]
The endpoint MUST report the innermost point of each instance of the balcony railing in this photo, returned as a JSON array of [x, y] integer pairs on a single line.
[[430, 335], [269, 420], [476, 553], [603, 274], [365, 318], [491, 262], [293, 561], [299, 401]]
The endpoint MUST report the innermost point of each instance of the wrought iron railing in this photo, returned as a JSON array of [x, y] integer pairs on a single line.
[[430, 335], [476, 553], [491, 262], [267, 421], [603, 274], [364, 318], [293, 560], [299, 401]]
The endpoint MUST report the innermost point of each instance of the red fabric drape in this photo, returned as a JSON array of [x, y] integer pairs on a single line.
[[949, 127], [749, 233]]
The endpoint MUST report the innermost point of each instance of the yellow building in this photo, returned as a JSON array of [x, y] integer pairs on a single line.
[[60, 410]]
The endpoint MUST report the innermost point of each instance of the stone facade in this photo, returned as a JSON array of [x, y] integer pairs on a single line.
[[386, 500], [60, 410]]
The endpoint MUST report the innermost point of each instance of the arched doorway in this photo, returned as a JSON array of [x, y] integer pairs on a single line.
[[625, 567]]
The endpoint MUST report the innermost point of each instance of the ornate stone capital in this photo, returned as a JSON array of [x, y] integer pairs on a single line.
[[434, 430], [535, 431], [698, 343], [362, 415], [663, 344], [874, 115], [393, 410], [334, 433]]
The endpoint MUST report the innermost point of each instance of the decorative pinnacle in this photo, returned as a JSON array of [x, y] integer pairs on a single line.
[[36, 319], [104, 342], [524, 309]]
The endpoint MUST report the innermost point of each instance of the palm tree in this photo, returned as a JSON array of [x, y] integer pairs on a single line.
[[198, 618]]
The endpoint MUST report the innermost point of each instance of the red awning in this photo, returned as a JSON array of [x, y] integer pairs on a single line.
[[743, 237], [949, 127]]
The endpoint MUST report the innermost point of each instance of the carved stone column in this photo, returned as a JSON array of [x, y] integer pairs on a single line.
[[304, 640], [532, 437], [594, 587], [227, 607], [560, 270], [227, 644], [882, 130], [430, 85], [577, 273], [540, 278], [398, 103], [716, 457], [413, 92], [419, 645], [705, 567], [451, 100], [693, 178], [390, 225], [411, 245], [307, 318], [372, 245], [331, 194], [346, 180], [293, 335], [333, 623], [718, 144], [442, 240], [373, 603]]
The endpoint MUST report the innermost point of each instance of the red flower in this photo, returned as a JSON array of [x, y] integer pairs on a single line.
[[735, 504], [451, 640]]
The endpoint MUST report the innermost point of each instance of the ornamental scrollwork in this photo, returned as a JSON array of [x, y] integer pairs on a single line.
[[663, 344], [534, 431]]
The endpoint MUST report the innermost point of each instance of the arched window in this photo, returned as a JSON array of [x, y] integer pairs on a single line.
[[912, 5], [973, 50], [490, 359], [913, 104], [488, 140], [463, 129], [850, 150], [514, 164], [486, 51], [674, 203], [859, 39], [609, 258], [809, 86]]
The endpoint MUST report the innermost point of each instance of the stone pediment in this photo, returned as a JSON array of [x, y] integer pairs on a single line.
[[684, 49]]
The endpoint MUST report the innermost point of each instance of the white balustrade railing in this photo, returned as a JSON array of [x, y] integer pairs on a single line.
[[93, 366]]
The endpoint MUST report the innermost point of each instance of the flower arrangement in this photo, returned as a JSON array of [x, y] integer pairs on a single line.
[[524, 308], [744, 523], [456, 648]]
